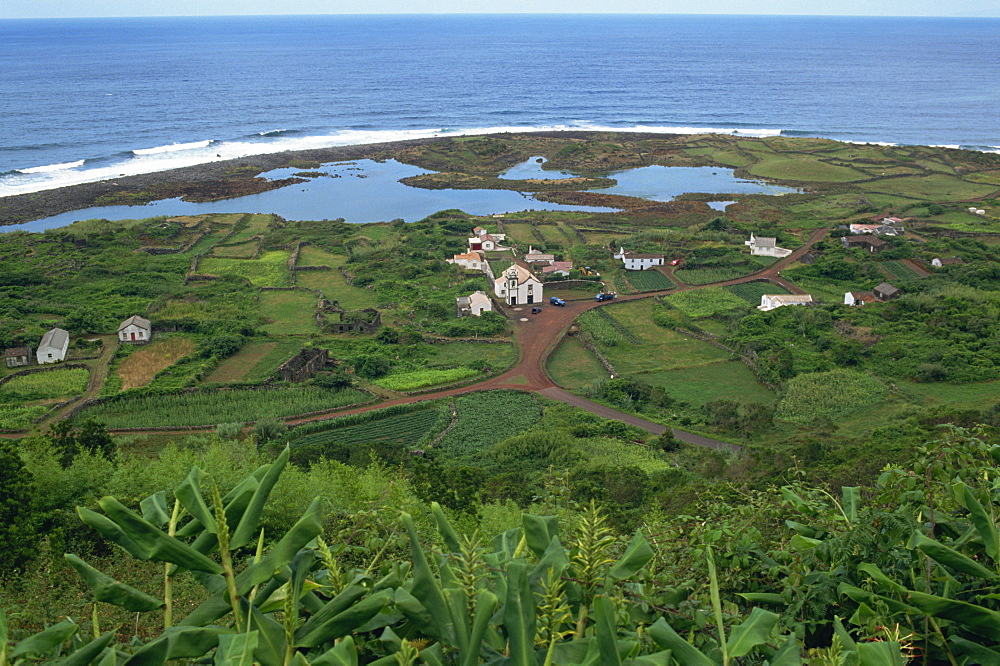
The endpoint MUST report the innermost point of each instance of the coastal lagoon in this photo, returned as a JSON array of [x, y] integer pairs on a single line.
[[655, 182], [366, 191]]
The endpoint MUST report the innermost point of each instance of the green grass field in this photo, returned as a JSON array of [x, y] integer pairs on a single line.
[[255, 224], [721, 380], [572, 366], [496, 356], [47, 385], [662, 349], [247, 249], [938, 187], [802, 168], [269, 270], [289, 312], [332, 283]]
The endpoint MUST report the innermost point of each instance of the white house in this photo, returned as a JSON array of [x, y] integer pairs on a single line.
[[938, 262], [533, 257], [486, 242], [634, 261], [471, 260], [858, 298], [518, 286], [135, 330], [771, 301], [762, 246], [474, 304], [480, 232], [53, 346]]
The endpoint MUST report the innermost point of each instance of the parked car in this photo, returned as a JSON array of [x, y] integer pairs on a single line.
[[556, 301], [675, 262], [604, 297], [535, 310]]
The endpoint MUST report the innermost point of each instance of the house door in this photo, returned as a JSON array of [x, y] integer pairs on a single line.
[[133, 336], [531, 299], [513, 300]]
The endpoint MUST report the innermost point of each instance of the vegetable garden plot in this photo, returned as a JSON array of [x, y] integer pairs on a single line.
[[406, 429], [214, 407], [651, 280]]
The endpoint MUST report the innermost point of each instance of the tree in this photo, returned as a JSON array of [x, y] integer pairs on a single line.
[[91, 436], [84, 320], [17, 519]]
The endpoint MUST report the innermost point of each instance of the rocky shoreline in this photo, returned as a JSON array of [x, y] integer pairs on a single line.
[[201, 182]]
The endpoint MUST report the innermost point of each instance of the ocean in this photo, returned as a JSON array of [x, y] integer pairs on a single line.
[[88, 99]]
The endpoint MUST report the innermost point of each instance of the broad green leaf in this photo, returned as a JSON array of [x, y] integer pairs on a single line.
[[763, 597], [656, 659], [246, 530], [445, 529], [949, 557], [282, 553], [190, 495], [180, 643], [458, 608], [977, 654], [635, 558], [851, 500], [682, 651], [752, 632], [794, 499], [879, 577], [109, 590], [88, 653], [155, 509], [984, 525], [486, 606], [236, 649], [343, 654], [347, 597], [554, 558], [270, 650], [864, 596], [801, 528], [519, 614], [539, 531], [789, 654], [607, 630], [882, 653], [3, 628], [426, 589], [801, 544], [150, 542], [44, 642], [980, 620], [235, 503], [345, 622]]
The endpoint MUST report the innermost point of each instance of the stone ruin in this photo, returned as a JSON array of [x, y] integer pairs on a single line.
[[347, 321], [303, 365]]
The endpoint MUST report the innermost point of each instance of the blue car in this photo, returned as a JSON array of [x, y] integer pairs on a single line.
[[556, 301]]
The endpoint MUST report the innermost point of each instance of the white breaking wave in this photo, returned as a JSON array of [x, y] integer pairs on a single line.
[[172, 148], [887, 144], [945, 145], [53, 167]]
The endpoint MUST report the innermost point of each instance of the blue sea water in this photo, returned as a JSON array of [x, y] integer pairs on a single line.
[[86, 99]]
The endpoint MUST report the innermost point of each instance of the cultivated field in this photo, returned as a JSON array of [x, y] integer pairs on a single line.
[[139, 367], [288, 312]]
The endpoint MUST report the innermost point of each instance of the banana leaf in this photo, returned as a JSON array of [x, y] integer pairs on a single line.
[[109, 590]]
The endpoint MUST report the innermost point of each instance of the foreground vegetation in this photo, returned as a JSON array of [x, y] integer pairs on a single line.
[[854, 525]]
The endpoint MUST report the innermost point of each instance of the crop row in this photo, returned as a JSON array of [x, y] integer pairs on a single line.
[[214, 407], [649, 280], [899, 270], [486, 419], [706, 302], [752, 291], [17, 417], [829, 394], [710, 275], [406, 429], [59, 383], [409, 381]]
